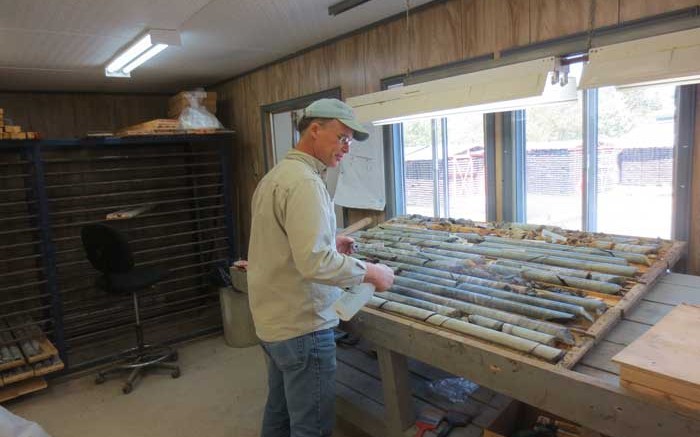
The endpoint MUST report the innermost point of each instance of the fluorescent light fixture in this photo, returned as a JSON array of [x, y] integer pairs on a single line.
[[553, 93], [344, 5], [498, 89], [669, 58], [145, 47]]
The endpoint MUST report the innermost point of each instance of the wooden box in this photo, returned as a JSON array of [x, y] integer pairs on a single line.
[[664, 361]]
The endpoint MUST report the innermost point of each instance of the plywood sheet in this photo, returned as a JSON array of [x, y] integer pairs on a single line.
[[436, 36], [665, 358], [636, 9], [554, 19], [386, 53], [694, 243], [347, 65]]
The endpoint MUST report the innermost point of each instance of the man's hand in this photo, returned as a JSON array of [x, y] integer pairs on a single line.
[[344, 244], [379, 275]]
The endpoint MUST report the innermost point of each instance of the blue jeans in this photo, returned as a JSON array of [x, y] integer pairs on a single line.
[[301, 383]]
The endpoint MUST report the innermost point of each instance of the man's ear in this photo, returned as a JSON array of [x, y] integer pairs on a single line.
[[313, 129]]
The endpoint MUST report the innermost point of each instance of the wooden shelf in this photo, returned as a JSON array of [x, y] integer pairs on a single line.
[[22, 388], [17, 374]]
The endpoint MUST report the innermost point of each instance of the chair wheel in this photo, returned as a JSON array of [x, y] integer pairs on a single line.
[[127, 388], [175, 373], [100, 378]]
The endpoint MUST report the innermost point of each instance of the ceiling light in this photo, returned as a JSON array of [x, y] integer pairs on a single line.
[[143, 49], [344, 5], [672, 58], [497, 89]]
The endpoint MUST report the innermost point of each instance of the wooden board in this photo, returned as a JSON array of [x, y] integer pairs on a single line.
[[17, 374], [599, 358], [626, 332], [661, 395], [22, 388], [694, 231], [438, 26], [636, 9], [159, 125], [681, 279], [549, 20], [159, 131], [648, 312], [665, 358], [603, 375]]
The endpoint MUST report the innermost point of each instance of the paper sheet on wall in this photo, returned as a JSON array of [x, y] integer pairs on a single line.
[[361, 178]]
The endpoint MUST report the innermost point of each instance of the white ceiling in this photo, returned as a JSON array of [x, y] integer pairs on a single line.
[[63, 45]]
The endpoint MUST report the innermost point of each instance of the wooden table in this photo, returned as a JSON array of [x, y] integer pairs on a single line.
[[588, 394]]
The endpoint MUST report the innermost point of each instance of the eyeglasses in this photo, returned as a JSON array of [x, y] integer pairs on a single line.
[[344, 140]]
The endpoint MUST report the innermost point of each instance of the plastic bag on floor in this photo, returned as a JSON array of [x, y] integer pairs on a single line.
[[456, 390], [15, 426]]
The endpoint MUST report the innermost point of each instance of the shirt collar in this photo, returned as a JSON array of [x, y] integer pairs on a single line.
[[317, 166]]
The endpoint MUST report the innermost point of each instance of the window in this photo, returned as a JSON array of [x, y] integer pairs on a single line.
[[630, 153], [607, 162], [443, 167], [636, 134], [466, 166], [553, 164]]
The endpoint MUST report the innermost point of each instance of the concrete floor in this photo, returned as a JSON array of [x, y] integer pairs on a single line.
[[221, 393]]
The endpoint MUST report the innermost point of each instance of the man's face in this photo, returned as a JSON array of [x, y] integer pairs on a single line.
[[332, 142]]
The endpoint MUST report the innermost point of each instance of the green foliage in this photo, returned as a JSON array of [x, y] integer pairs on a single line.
[[619, 112], [555, 122], [417, 134]]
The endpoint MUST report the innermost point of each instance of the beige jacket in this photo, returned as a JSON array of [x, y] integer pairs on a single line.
[[294, 270]]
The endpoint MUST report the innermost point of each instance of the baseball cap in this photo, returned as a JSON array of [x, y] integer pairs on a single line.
[[334, 108]]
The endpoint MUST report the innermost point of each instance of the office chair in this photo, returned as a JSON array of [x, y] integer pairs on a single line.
[[109, 252]]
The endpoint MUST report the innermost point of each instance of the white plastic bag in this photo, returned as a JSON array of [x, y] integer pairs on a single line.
[[196, 115], [15, 426]]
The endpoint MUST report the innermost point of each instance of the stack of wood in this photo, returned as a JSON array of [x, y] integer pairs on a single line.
[[180, 101], [160, 126], [26, 355], [663, 362], [12, 132]]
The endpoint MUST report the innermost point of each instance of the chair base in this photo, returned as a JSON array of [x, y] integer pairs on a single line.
[[137, 360]]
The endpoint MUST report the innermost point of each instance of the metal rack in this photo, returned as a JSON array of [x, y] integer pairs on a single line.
[[50, 189]]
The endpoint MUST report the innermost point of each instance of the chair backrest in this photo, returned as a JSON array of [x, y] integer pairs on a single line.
[[107, 248]]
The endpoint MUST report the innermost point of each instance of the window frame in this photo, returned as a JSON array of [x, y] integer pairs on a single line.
[[515, 174]]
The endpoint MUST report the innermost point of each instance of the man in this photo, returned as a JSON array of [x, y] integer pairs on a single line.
[[295, 266]]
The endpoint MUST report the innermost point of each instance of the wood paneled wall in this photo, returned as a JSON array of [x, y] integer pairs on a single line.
[[445, 32], [694, 243], [59, 115]]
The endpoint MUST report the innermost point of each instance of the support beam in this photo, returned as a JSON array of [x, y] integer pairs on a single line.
[[398, 403]]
